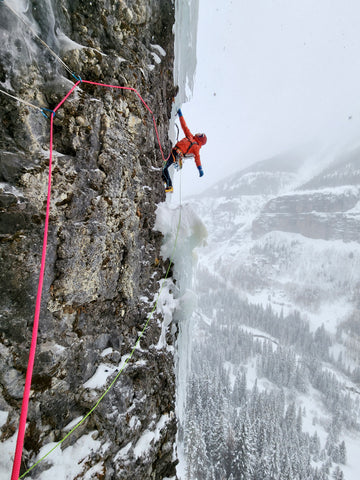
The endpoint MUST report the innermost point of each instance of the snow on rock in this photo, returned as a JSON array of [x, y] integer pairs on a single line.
[[7, 456], [166, 305], [144, 443], [72, 424], [72, 459], [123, 453], [95, 472], [103, 372], [107, 351], [159, 49], [3, 418]]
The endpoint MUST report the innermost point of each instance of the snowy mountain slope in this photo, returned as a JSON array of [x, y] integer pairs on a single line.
[[278, 287], [344, 170], [266, 177]]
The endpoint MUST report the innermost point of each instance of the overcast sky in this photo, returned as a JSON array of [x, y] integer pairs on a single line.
[[272, 75]]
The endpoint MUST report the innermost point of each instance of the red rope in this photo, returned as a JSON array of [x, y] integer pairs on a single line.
[[30, 367], [143, 101], [67, 95], [29, 372], [121, 88], [158, 139]]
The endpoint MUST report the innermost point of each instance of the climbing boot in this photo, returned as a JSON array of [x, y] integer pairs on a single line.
[[169, 189]]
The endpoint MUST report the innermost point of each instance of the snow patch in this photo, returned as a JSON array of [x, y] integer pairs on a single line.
[[72, 459], [143, 445], [103, 372], [159, 49], [97, 471], [156, 57], [3, 417], [123, 453], [7, 456], [107, 351], [72, 424], [166, 306]]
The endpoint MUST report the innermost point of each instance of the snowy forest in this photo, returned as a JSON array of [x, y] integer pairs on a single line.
[[235, 430]]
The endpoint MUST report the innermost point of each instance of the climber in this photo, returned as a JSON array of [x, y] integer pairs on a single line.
[[187, 147]]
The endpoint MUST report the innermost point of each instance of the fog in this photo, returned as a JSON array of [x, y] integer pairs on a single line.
[[272, 76]]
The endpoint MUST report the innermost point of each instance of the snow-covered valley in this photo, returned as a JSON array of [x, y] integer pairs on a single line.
[[275, 332]]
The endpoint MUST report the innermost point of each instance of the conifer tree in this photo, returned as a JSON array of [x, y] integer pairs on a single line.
[[342, 453], [338, 474]]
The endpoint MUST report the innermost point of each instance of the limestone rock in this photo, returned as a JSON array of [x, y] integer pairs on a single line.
[[101, 259]]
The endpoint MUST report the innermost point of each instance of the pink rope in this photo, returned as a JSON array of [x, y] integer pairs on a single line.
[[121, 88], [30, 367], [143, 101], [67, 95], [158, 139], [29, 372]]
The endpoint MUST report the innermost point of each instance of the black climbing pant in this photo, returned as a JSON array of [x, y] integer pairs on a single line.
[[174, 157]]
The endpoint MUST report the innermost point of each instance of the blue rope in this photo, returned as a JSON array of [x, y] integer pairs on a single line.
[[77, 78], [44, 110]]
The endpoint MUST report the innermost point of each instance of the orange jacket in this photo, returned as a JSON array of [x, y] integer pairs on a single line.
[[188, 145]]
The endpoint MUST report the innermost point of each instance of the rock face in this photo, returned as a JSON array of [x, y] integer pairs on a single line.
[[314, 214], [102, 269], [325, 207]]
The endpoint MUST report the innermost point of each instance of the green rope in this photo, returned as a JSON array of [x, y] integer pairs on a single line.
[[128, 358]]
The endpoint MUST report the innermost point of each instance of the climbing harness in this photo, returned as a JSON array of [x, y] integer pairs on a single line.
[[191, 144], [180, 155], [49, 114]]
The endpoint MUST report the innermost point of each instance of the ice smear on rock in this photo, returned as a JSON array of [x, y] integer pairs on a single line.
[[187, 235], [187, 12]]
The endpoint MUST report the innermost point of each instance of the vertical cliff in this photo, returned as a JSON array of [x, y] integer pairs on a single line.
[[102, 268]]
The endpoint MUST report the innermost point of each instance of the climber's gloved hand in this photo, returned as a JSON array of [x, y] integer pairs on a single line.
[[201, 171], [179, 112]]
